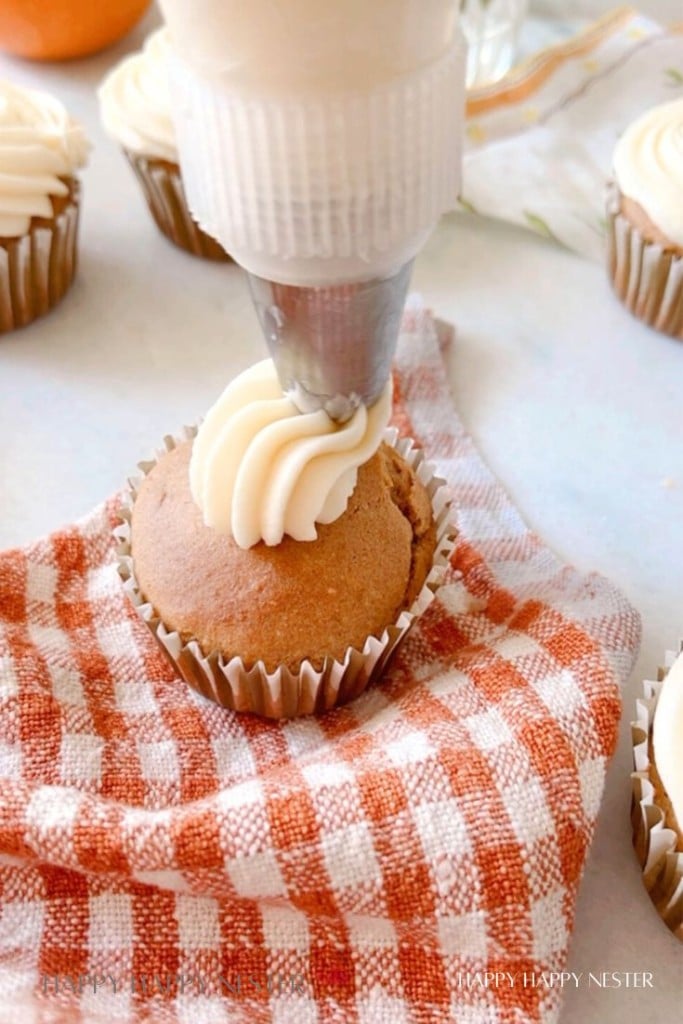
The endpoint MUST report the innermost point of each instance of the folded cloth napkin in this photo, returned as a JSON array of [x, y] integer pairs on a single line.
[[411, 858], [539, 145]]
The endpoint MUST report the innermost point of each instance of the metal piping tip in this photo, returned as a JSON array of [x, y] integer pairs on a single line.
[[333, 346]]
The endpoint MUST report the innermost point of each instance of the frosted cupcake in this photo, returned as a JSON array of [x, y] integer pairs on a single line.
[[280, 557], [41, 151], [658, 792], [645, 214], [135, 107]]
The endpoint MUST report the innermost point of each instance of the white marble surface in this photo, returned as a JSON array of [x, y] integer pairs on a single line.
[[575, 406]]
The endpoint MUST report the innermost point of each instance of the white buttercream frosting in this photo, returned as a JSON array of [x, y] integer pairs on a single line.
[[667, 737], [648, 166], [261, 469], [135, 102], [319, 140], [310, 46], [39, 145]]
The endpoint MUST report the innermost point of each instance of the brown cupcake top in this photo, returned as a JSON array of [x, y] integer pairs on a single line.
[[298, 600]]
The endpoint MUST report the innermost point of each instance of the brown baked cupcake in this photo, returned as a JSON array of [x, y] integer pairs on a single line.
[[135, 106], [658, 791], [277, 582], [295, 601], [41, 150], [645, 219]]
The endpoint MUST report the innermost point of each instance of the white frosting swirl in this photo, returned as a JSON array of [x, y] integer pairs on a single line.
[[135, 102], [648, 166], [261, 469], [667, 733], [39, 145]]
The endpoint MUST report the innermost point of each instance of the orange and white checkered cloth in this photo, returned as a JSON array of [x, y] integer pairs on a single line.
[[411, 858]]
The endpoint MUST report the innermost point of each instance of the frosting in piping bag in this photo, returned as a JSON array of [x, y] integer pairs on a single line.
[[39, 145], [648, 166], [261, 469], [310, 45]]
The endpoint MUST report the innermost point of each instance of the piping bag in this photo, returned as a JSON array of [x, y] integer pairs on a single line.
[[320, 142]]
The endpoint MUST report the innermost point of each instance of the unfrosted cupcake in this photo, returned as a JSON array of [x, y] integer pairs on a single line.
[[645, 216], [658, 791], [280, 557], [135, 107], [41, 151]]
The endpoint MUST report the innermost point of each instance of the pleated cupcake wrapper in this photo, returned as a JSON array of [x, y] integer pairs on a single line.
[[647, 279], [36, 269], [283, 693], [654, 842], [162, 185]]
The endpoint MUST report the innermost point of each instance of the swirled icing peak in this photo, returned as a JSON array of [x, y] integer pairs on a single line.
[[648, 166], [261, 469], [135, 101], [40, 145], [667, 731]]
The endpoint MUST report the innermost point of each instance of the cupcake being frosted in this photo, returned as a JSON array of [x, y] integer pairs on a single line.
[[135, 107], [41, 150], [280, 557], [645, 208]]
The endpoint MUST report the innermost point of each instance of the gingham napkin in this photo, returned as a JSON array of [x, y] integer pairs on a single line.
[[539, 145], [411, 858]]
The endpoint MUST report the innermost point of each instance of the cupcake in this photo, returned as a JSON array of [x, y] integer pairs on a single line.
[[280, 557], [41, 149], [135, 107], [658, 791], [645, 218]]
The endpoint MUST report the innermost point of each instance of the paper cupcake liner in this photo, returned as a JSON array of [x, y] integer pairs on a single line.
[[647, 278], [654, 842], [36, 269], [163, 188], [283, 693]]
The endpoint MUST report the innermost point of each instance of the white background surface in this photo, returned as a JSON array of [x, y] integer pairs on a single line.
[[576, 407]]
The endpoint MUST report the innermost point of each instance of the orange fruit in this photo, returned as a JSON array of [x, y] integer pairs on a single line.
[[62, 29]]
